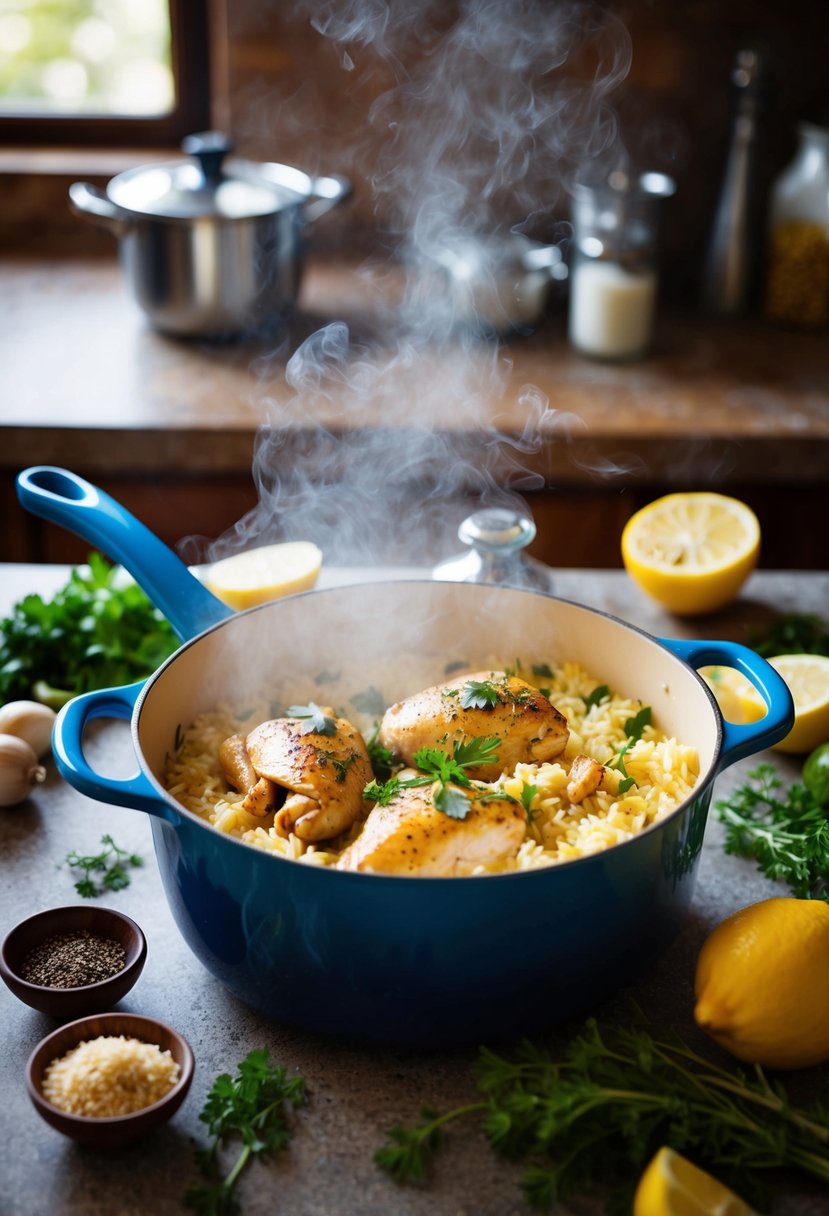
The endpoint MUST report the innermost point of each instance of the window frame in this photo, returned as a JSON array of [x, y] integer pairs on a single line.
[[191, 66]]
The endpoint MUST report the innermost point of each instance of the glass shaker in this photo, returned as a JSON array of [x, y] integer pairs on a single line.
[[613, 277], [797, 286], [496, 538]]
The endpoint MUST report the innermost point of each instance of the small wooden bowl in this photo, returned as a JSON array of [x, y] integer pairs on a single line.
[[67, 1003], [109, 1132]]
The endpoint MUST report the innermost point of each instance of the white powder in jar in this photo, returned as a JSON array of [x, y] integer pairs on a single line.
[[108, 1076]]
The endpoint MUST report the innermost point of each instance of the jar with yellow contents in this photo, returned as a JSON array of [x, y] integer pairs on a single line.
[[797, 285]]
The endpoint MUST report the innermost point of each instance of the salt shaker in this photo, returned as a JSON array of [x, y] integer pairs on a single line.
[[613, 278], [496, 538]]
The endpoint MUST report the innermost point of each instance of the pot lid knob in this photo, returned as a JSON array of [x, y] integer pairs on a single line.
[[209, 148], [495, 537]]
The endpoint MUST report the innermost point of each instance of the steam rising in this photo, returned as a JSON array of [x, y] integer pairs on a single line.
[[495, 106]]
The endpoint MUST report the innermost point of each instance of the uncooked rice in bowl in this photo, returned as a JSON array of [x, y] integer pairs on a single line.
[[647, 775]]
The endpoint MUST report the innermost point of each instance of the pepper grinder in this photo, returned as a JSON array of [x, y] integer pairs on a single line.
[[496, 538], [731, 264]]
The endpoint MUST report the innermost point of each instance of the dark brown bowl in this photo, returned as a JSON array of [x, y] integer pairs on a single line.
[[115, 1132], [66, 1003]]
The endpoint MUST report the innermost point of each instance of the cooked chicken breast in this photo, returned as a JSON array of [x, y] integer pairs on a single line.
[[411, 836], [585, 778], [324, 775], [530, 728]]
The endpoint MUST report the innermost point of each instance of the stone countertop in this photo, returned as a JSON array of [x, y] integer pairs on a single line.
[[355, 1095], [87, 383]]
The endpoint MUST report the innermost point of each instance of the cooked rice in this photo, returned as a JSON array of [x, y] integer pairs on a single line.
[[108, 1076], [663, 769]]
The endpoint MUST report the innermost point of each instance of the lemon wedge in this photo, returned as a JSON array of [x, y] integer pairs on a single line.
[[267, 573], [807, 676], [779, 1022], [673, 1186], [691, 551], [736, 696]]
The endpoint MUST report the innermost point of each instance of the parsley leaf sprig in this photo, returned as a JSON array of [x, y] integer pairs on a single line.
[[598, 1113], [313, 719], [444, 769], [250, 1108], [793, 633], [111, 864], [786, 832]]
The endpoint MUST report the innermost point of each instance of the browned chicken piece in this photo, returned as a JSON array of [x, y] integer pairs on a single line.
[[411, 836], [585, 778], [317, 779], [530, 728], [260, 793]]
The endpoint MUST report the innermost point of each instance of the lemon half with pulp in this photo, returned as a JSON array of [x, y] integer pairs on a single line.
[[673, 1186], [807, 676], [691, 551], [267, 573]]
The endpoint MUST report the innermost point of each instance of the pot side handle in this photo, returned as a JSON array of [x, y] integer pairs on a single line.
[[743, 740], [67, 746], [326, 193], [65, 498], [91, 203]]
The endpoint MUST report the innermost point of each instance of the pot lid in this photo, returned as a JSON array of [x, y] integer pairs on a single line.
[[206, 185]]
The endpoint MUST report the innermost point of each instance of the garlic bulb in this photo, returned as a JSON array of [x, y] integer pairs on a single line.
[[31, 721], [19, 770]]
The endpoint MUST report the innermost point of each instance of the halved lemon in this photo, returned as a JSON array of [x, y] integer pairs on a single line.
[[673, 1186], [807, 676], [267, 573], [691, 551], [736, 696]]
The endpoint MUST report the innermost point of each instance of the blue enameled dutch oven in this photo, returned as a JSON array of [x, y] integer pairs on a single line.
[[405, 961]]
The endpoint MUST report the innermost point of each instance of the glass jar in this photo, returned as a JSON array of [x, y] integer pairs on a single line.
[[613, 276], [797, 284]]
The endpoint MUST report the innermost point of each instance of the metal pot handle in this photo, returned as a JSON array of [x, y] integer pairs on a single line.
[[65, 498], [137, 791], [91, 203], [326, 193], [742, 740]]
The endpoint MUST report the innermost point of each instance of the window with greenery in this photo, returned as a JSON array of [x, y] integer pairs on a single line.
[[98, 71]]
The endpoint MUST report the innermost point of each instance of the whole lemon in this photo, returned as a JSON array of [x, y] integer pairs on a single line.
[[762, 983]]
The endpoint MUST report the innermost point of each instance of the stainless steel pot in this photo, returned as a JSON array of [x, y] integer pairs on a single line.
[[211, 247]]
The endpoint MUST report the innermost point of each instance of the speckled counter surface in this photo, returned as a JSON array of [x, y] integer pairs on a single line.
[[355, 1095]]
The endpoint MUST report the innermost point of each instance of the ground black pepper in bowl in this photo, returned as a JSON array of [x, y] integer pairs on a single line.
[[71, 960]]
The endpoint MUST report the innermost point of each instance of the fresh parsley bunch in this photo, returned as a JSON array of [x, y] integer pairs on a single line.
[[96, 632]]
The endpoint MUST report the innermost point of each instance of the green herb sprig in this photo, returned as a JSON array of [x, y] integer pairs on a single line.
[[793, 633], [250, 1108], [111, 864], [599, 1112], [97, 631], [313, 719], [445, 770], [785, 831]]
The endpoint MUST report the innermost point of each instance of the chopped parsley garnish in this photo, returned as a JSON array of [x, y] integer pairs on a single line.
[[439, 767], [596, 697], [635, 726], [383, 762], [543, 671], [479, 694], [314, 720], [340, 764], [618, 762], [528, 792]]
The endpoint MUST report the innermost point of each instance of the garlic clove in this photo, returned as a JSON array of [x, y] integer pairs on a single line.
[[19, 770], [31, 721]]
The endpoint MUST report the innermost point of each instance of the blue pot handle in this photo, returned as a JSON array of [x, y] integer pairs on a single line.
[[743, 740], [65, 498], [67, 745]]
